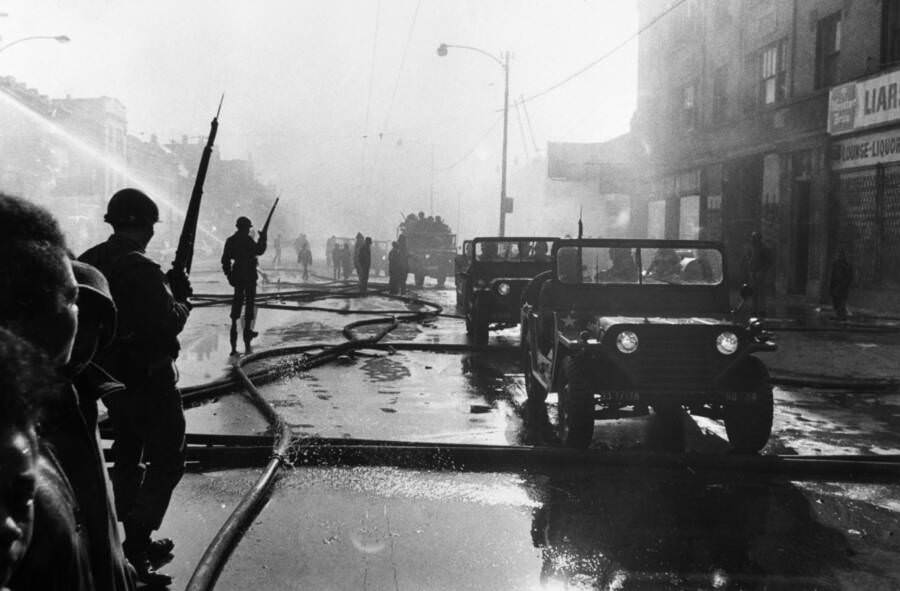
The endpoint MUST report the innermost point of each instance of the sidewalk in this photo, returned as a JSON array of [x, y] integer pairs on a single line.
[[814, 346]]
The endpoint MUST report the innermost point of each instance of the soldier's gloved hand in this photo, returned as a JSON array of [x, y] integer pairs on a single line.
[[180, 285]]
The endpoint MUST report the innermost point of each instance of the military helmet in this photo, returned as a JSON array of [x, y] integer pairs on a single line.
[[131, 207], [93, 290], [243, 222]]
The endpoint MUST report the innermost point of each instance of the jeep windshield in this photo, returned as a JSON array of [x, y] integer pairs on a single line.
[[639, 265], [513, 251]]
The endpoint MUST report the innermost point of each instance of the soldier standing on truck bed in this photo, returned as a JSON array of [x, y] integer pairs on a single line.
[[239, 263]]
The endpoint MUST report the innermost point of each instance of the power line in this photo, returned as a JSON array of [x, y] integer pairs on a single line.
[[606, 55], [362, 164], [474, 147], [412, 26]]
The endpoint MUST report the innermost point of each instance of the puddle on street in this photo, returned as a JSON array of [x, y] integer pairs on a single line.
[[405, 396]]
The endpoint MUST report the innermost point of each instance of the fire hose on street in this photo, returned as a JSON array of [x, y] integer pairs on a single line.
[[283, 448]]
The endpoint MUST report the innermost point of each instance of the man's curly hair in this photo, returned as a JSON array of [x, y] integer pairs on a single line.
[[28, 383]]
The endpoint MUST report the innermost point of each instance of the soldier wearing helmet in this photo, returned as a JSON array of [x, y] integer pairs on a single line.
[[239, 262], [147, 418]]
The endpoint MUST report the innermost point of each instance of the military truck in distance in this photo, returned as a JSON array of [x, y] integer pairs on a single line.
[[491, 275], [431, 247], [644, 323]]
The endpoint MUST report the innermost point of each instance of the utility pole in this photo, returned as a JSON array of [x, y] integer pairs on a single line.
[[505, 128]]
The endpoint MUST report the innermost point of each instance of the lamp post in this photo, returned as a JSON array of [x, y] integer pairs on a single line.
[[57, 38], [504, 63]]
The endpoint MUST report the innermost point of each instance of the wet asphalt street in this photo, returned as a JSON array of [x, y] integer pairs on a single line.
[[615, 528]]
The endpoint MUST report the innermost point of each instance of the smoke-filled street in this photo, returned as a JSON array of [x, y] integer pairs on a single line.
[[429, 295], [440, 524]]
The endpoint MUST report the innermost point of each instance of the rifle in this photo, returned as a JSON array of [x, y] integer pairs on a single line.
[[184, 254], [265, 229]]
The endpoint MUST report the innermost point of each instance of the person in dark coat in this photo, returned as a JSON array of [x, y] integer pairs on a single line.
[[305, 257], [839, 283], [239, 262], [336, 258], [148, 418], [364, 263], [346, 261], [37, 300], [402, 262], [394, 269], [42, 541], [759, 263]]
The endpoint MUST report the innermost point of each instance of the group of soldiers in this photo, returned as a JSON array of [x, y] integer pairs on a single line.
[[74, 331], [424, 225]]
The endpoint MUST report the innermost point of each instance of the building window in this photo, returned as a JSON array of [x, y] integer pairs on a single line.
[[773, 72], [828, 48], [689, 105], [720, 95], [890, 33]]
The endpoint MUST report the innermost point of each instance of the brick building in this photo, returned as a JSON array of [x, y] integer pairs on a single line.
[[733, 105]]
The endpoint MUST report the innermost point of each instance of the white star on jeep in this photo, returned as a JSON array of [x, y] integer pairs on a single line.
[[568, 320]]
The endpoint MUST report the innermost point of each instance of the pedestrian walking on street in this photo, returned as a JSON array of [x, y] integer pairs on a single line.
[[356, 247], [276, 260], [394, 269], [147, 419], [305, 257], [403, 262], [839, 283], [759, 264], [346, 261], [336, 258], [239, 262], [364, 263]]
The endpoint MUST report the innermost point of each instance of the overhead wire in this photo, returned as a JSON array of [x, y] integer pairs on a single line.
[[365, 136], [412, 26], [606, 55], [474, 147]]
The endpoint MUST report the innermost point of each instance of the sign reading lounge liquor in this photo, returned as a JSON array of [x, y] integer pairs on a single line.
[[873, 148], [866, 103]]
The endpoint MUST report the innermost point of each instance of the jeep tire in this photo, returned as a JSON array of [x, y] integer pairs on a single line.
[[749, 424], [480, 322], [575, 408], [533, 388]]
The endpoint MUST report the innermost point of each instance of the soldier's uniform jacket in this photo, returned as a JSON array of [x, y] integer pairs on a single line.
[[149, 318], [239, 257]]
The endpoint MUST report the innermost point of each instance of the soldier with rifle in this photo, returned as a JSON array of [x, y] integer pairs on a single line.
[[147, 418], [239, 262]]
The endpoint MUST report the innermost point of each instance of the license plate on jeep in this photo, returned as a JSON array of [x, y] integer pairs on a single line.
[[622, 397], [740, 396]]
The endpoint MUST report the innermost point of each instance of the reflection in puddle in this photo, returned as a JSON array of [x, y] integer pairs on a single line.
[[385, 369]]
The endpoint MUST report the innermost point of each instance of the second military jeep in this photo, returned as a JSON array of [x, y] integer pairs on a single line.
[[618, 326], [491, 275]]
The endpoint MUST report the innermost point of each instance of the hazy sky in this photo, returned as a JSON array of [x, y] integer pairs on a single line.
[[310, 85]]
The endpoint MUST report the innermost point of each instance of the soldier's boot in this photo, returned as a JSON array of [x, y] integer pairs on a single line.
[[233, 337]]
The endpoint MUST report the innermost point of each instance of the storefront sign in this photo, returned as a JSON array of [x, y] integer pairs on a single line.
[[867, 103], [876, 148]]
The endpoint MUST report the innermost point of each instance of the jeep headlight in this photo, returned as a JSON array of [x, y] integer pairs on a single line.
[[727, 343], [627, 342], [503, 288]]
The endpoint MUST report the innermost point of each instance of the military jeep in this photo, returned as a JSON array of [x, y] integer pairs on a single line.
[[491, 274], [620, 326]]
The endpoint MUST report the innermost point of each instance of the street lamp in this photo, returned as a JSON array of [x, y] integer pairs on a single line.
[[57, 38], [504, 63]]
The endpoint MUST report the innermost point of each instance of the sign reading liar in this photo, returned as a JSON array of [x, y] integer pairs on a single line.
[[866, 103]]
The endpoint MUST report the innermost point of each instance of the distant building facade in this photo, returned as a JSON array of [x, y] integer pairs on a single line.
[[733, 107]]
